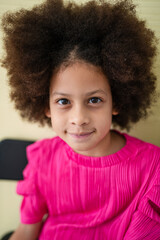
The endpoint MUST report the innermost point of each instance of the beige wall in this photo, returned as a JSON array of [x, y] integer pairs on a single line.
[[11, 126]]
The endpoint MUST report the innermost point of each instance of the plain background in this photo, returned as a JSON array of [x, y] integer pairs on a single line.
[[13, 127]]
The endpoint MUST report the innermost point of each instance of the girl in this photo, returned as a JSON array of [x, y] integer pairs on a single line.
[[81, 68]]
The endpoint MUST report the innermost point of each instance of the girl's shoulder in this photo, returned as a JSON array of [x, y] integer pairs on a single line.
[[141, 145], [45, 144], [43, 149], [145, 154]]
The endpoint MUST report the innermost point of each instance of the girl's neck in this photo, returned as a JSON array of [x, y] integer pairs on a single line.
[[118, 141]]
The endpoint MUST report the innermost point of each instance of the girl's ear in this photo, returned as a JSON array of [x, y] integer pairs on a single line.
[[115, 112], [48, 112]]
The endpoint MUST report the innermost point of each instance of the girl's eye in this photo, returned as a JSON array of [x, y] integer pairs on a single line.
[[63, 101], [95, 100]]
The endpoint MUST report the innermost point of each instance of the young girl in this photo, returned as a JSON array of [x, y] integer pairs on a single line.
[[81, 68]]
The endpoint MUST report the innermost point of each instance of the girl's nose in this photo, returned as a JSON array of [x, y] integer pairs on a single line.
[[79, 116]]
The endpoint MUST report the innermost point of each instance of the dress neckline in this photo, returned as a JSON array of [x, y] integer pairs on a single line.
[[123, 154]]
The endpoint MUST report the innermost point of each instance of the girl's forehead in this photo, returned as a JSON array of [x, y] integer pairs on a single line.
[[78, 79], [81, 75]]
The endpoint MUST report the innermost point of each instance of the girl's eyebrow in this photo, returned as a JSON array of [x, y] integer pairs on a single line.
[[60, 93], [100, 91], [96, 91]]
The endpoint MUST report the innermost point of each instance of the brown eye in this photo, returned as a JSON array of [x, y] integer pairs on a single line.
[[63, 101], [95, 100]]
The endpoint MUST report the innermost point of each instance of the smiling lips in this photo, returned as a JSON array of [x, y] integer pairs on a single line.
[[81, 135]]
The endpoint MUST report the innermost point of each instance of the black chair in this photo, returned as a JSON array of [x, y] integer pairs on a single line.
[[7, 236], [13, 160]]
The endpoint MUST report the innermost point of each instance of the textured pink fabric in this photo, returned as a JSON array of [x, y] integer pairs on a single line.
[[92, 198]]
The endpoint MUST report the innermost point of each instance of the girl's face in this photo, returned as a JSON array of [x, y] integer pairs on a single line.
[[81, 108]]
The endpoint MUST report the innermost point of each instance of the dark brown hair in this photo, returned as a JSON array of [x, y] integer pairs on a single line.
[[110, 36]]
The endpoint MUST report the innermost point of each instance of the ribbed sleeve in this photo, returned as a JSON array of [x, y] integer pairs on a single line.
[[33, 206], [145, 222]]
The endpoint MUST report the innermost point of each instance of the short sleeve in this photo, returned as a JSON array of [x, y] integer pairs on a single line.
[[150, 204], [33, 206], [145, 223]]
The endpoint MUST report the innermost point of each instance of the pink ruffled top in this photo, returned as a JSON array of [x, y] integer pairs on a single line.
[[113, 197]]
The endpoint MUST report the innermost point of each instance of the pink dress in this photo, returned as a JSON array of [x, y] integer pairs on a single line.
[[92, 198]]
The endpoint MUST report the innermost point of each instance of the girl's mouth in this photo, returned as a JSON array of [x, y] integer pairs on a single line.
[[82, 135]]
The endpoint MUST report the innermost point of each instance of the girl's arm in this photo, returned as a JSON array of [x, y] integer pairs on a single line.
[[27, 232]]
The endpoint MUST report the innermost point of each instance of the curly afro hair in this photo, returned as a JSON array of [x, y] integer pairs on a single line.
[[54, 34]]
